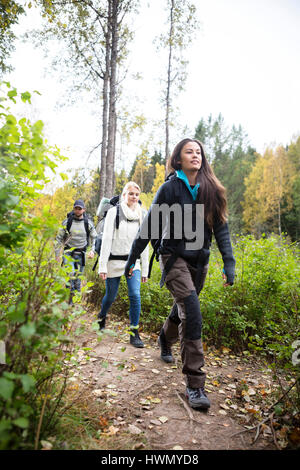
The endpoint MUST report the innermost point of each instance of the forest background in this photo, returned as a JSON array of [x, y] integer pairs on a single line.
[[259, 313]]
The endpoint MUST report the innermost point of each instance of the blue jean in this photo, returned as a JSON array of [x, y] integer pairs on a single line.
[[77, 269], [134, 285]]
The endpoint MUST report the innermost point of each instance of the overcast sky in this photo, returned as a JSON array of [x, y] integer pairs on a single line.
[[244, 63]]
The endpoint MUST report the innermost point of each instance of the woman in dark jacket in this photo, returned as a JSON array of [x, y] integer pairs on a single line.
[[187, 209]]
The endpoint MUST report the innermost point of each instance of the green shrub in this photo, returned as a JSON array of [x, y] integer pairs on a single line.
[[34, 315], [261, 310]]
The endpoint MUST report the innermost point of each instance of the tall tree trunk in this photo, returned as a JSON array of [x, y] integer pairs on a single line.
[[279, 218], [105, 97], [102, 189], [168, 92], [112, 119], [280, 196]]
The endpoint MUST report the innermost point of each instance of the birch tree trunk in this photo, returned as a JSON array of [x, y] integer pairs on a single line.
[[168, 90], [112, 119], [102, 188]]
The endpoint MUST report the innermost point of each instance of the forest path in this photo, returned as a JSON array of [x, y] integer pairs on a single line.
[[140, 400]]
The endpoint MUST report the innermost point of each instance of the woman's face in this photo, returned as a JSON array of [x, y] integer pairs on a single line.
[[190, 157], [132, 196]]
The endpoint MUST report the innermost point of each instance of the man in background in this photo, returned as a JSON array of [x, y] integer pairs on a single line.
[[75, 235]]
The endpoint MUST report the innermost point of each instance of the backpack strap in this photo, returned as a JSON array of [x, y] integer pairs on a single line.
[[70, 216], [118, 217], [155, 254], [95, 264], [171, 260], [86, 226]]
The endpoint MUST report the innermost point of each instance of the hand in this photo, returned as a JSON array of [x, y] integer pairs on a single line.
[[144, 279], [103, 276], [130, 272], [129, 268], [57, 258], [226, 284], [91, 254]]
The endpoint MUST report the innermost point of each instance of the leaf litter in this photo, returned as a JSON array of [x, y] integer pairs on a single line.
[[243, 396]]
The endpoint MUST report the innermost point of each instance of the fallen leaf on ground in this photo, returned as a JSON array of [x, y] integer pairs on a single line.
[[225, 350], [103, 422], [155, 400], [247, 398], [111, 386], [156, 422], [295, 436], [46, 445], [112, 430], [139, 445], [134, 429], [225, 407], [163, 419], [143, 401]]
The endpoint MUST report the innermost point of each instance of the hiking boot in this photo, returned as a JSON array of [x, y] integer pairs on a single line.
[[136, 340], [197, 398], [101, 323], [165, 349]]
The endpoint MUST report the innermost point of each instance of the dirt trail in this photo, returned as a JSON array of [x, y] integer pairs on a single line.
[[145, 397]]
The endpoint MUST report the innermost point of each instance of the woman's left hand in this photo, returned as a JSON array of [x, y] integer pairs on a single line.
[[226, 284], [144, 279]]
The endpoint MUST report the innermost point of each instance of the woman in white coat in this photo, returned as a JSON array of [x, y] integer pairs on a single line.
[[116, 244]]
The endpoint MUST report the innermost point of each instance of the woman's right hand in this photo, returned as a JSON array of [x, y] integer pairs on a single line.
[[103, 276]]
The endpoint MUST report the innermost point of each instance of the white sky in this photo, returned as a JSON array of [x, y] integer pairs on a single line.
[[244, 63]]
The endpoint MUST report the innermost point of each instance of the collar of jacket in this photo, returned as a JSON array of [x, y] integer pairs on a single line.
[[181, 175]]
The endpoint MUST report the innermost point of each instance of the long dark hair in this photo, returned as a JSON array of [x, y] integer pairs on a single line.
[[211, 192]]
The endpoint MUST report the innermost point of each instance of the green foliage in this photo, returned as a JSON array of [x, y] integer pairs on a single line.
[[261, 310], [9, 15], [34, 314], [23, 160], [291, 217]]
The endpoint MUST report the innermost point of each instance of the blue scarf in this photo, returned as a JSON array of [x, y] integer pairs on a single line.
[[181, 175]]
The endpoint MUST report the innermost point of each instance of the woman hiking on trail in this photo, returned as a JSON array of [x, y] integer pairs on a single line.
[[116, 243], [184, 264]]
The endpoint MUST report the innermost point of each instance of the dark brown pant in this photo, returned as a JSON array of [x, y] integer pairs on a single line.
[[185, 320]]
